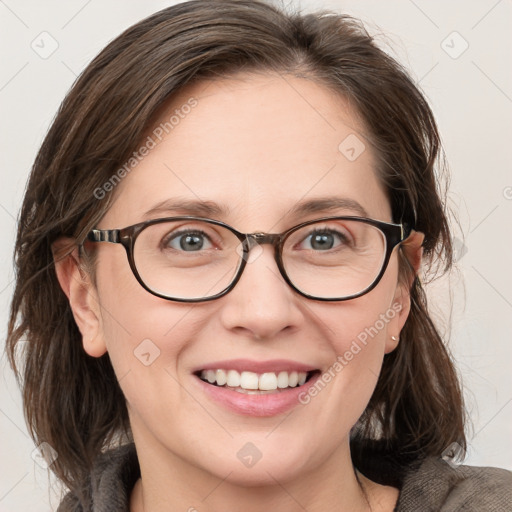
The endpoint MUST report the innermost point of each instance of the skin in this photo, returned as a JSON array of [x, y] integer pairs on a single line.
[[257, 144]]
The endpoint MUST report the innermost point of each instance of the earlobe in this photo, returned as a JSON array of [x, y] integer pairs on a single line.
[[400, 311], [81, 293], [392, 343]]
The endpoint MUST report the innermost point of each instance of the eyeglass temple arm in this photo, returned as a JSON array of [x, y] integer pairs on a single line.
[[104, 235], [406, 230]]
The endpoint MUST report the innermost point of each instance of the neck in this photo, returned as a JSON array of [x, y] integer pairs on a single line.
[[169, 482]]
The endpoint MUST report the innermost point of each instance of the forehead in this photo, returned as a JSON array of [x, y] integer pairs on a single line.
[[256, 145]]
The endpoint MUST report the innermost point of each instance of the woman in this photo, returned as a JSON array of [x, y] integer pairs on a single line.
[[177, 361]]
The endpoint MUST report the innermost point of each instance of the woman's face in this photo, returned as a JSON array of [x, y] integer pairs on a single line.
[[256, 146]]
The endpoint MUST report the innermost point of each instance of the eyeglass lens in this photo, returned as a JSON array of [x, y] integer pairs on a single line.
[[189, 259]]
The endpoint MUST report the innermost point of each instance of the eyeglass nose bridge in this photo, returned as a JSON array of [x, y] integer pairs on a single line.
[[254, 239]]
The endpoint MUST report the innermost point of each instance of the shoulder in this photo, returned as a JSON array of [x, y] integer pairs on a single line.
[[110, 483], [437, 485]]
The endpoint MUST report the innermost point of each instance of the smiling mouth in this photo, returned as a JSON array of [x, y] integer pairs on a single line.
[[255, 383]]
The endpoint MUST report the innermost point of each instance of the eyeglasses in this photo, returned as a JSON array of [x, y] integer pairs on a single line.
[[194, 259]]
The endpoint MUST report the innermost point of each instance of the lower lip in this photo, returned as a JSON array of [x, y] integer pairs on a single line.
[[270, 404]]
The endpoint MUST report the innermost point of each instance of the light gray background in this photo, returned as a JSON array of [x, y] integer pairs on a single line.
[[471, 96]]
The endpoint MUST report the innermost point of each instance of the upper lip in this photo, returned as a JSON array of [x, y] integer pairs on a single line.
[[249, 365]]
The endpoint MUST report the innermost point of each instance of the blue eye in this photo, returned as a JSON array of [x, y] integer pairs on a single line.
[[323, 240], [188, 241]]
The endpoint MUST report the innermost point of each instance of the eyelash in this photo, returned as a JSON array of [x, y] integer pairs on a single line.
[[330, 231], [176, 234]]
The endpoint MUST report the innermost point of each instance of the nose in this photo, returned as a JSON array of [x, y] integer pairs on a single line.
[[261, 305]]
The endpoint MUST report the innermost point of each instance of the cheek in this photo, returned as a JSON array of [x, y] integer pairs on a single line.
[[141, 331], [358, 343], [355, 334], [146, 338], [364, 321]]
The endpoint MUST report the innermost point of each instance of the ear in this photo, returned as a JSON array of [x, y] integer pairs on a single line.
[[76, 283], [401, 306], [413, 251]]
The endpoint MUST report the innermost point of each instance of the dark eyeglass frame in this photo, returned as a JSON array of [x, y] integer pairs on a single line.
[[394, 234]]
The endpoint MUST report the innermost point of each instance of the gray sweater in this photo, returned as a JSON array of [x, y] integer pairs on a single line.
[[434, 486]]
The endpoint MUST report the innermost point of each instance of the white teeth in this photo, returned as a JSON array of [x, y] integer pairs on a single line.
[[268, 381], [233, 379], [254, 382], [249, 380], [282, 380], [222, 378]]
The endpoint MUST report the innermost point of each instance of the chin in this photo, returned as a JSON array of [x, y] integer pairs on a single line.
[[263, 473], [243, 464]]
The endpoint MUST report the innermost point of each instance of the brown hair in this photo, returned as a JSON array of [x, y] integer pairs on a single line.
[[73, 401]]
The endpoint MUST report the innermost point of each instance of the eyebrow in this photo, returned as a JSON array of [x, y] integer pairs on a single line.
[[188, 207], [328, 204], [213, 209]]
